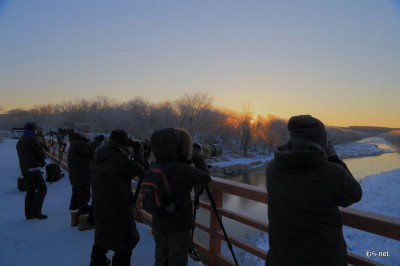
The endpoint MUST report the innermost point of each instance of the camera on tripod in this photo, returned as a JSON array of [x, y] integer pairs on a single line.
[[208, 150]]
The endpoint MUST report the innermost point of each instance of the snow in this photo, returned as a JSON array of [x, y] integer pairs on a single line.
[[54, 242], [366, 147]]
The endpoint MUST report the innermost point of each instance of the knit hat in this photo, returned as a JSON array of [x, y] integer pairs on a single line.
[[30, 126], [308, 127], [120, 136], [81, 128]]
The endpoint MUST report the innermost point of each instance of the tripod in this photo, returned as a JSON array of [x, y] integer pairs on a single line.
[[193, 253], [60, 155]]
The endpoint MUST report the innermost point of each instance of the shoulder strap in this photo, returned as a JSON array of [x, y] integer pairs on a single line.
[[163, 177]]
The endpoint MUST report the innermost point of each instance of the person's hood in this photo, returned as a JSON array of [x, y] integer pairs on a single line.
[[172, 144], [107, 150], [300, 155]]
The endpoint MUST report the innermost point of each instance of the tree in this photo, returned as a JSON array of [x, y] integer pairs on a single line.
[[194, 112], [245, 127]]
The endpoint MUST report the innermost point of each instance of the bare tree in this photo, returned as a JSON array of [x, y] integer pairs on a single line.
[[194, 112], [245, 127]]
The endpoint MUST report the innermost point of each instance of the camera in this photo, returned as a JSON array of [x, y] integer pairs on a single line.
[[208, 150]]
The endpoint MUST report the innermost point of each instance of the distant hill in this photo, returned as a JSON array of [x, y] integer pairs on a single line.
[[372, 130]]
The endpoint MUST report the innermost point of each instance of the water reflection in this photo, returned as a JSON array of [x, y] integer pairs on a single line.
[[360, 167]]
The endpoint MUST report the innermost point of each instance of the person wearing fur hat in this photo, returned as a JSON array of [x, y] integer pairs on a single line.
[[306, 183], [79, 161], [112, 173], [31, 159], [173, 150]]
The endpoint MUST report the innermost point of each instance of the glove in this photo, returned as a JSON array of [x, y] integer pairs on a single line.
[[331, 152]]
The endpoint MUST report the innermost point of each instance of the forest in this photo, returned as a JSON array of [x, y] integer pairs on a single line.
[[196, 112]]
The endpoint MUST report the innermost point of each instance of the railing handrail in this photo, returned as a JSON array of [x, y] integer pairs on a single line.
[[363, 220]]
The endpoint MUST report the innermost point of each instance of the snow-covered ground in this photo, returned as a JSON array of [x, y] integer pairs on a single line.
[[54, 242]]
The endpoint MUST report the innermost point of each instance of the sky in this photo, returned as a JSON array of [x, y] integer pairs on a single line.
[[337, 60], [54, 242]]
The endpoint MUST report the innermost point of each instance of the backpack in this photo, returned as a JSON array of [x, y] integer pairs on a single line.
[[157, 193], [53, 172]]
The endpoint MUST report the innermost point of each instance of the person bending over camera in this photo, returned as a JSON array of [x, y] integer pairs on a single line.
[[113, 170], [173, 150], [306, 182]]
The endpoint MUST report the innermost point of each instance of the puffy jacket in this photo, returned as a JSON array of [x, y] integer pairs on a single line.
[[112, 197], [304, 192], [79, 160], [183, 177], [30, 152], [173, 150]]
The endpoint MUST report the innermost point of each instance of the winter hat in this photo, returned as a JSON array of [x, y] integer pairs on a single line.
[[308, 127], [81, 128], [171, 144], [30, 126], [120, 136]]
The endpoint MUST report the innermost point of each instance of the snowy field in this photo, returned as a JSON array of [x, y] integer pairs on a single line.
[[54, 242]]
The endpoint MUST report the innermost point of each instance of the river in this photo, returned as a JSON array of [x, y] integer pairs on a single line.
[[360, 168]]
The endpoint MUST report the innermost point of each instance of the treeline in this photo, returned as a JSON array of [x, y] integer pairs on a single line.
[[394, 137], [194, 112]]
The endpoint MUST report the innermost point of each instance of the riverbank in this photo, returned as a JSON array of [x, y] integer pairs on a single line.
[[233, 163]]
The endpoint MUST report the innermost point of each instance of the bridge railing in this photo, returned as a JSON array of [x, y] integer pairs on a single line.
[[385, 226]]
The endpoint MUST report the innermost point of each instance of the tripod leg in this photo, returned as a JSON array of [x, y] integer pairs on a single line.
[[210, 197]]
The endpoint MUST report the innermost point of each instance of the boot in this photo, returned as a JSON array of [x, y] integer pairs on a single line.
[[84, 224], [74, 217]]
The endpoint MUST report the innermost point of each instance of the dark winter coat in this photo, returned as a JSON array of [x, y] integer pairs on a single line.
[[304, 192], [30, 152], [79, 160], [184, 177], [173, 150], [112, 197]]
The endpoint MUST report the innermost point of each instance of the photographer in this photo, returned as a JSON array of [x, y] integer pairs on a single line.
[[31, 159], [173, 150], [306, 182], [112, 173], [79, 161]]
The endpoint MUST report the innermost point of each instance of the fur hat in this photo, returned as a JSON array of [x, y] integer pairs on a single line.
[[308, 127], [30, 126], [172, 144], [81, 128], [120, 136]]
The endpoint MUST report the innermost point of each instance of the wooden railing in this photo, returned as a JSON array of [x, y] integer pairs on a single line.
[[366, 221]]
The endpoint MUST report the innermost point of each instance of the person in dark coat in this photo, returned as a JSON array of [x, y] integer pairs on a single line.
[[98, 141], [112, 173], [173, 150], [79, 162], [306, 183], [31, 159]]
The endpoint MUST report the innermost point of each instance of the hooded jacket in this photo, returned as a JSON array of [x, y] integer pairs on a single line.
[[172, 148], [30, 153], [112, 197], [79, 160], [304, 192]]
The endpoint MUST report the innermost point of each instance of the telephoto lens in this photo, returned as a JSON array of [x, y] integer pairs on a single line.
[[208, 150]]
